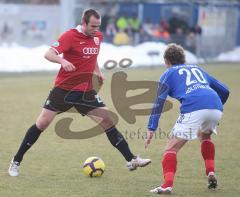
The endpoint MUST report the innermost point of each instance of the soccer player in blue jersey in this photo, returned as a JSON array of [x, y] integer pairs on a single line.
[[202, 98]]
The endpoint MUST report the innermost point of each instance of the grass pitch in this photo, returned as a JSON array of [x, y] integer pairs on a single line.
[[53, 165]]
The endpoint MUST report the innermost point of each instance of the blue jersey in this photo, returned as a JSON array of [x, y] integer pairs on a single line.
[[192, 87]]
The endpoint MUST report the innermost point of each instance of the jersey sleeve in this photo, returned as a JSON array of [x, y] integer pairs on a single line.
[[221, 89], [64, 43], [162, 93]]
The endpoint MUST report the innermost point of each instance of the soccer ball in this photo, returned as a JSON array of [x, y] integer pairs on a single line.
[[93, 167]]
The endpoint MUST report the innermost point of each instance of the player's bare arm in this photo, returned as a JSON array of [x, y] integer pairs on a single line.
[[148, 139], [99, 73], [52, 56]]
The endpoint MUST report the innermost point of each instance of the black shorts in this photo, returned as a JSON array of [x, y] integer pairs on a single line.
[[61, 100]]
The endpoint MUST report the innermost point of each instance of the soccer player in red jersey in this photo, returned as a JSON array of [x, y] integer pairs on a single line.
[[80, 49]]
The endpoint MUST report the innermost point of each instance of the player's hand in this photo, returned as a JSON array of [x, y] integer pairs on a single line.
[[68, 66], [148, 138], [100, 79]]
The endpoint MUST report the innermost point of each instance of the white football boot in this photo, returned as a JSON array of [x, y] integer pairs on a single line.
[[13, 169], [137, 162], [161, 190]]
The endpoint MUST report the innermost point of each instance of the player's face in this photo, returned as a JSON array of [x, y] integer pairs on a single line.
[[92, 27]]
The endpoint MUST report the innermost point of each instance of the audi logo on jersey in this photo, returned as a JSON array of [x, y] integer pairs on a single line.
[[90, 51]]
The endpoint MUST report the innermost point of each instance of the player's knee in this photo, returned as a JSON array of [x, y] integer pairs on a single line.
[[205, 136], [171, 149], [42, 124], [174, 147], [107, 123]]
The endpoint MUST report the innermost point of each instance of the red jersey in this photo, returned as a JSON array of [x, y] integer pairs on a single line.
[[82, 51]]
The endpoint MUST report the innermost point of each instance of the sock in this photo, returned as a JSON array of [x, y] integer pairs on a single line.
[[118, 141], [30, 138], [208, 154], [169, 165]]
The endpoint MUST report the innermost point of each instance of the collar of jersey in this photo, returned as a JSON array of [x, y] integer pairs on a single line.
[[79, 29], [178, 65]]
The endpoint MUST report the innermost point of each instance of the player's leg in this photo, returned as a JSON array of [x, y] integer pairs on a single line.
[[91, 105], [53, 105], [31, 136], [208, 154], [183, 131], [102, 116], [44, 119], [208, 127], [169, 165], [208, 151]]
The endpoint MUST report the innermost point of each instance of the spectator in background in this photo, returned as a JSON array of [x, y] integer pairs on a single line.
[[121, 38], [191, 38], [147, 29], [179, 36], [161, 34], [135, 24], [104, 23], [175, 22], [164, 24], [178, 29], [111, 30], [122, 22], [191, 42]]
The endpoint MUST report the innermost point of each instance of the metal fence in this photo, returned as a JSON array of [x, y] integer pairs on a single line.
[[32, 25], [220, 27], [29, 25]]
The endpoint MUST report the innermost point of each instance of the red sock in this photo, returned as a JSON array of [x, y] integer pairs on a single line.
[[169, 165], [208, 153]]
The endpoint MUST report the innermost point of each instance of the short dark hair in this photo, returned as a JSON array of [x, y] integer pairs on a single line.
[[174, 54], [88, 13]]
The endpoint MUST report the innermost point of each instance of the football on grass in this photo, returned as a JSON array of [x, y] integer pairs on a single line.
[[93, 167]]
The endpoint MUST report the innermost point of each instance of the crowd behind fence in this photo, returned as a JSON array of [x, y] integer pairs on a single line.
[[130, 30], [205, 30]]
